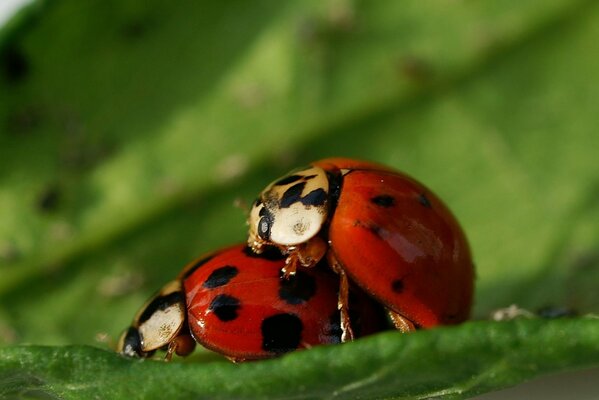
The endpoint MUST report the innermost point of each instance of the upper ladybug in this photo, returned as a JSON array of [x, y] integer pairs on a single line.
[[384, 230]]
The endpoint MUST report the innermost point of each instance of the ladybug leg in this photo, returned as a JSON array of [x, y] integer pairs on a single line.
[[306, 255], [402, 324], [290, 265], [311, 252], [347, 334]]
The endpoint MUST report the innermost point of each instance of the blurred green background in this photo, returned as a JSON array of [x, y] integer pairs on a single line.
[[129, 129]]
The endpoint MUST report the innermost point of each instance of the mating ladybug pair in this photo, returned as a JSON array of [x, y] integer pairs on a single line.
[[331, 248]]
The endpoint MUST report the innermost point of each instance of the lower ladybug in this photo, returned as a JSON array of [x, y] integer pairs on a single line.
[[376, 227], [235, 302]]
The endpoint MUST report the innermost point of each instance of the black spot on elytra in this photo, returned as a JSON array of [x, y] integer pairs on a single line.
[[269, 253], [161, 303], [422, 199], [225, 307], [265, 223], [14, 64], [317, 197], [197, 265], [371, 227], [281, 333], [286, 180], [297, 289], [132, 344], [49, 198], [397, 286], [220, 277], [375, 229], [383, 200]]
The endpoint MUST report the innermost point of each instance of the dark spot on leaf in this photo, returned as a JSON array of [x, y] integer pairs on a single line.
[[556, 312], [49, 199], [24, 121], [14, 64], [220, 277], [415, 69], [225, 307], [135, 29], [281, 333]]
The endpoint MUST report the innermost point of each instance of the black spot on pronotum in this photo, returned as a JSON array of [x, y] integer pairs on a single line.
[[225, 307], [220, 277], [292, 195], [269, 253], [161, 303], [49, 198], [317, 197], [265, 223], [297, 289], [397, 286], [383, 200], [422, 199], [14, 64], [131, 345], [197, 265], [281, 333], [286, 180]]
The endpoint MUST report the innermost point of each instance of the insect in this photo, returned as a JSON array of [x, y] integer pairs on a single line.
[[376, 227], [234, 302]]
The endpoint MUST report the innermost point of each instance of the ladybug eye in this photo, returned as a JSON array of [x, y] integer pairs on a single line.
[[264, 228]]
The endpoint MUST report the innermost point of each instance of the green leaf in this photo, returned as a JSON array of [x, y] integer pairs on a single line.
[[448, 362], [128, 129]]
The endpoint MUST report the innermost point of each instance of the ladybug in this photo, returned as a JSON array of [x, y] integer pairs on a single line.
[[378, 228], [235, 302]]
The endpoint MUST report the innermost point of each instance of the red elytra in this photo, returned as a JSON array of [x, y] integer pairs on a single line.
[[239, 306], [380, 228]]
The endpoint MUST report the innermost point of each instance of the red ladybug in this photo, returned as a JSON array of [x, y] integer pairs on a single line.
[[378, 228], [234, 302]]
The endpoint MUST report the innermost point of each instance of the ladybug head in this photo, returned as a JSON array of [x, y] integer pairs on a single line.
[[291, 210]]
